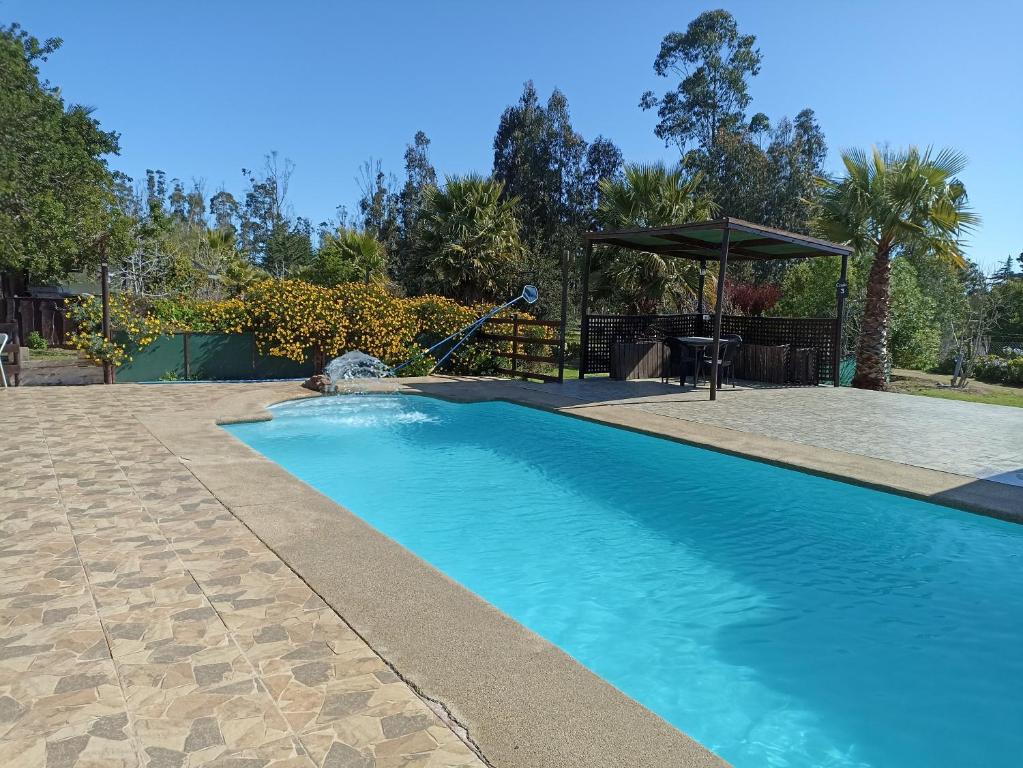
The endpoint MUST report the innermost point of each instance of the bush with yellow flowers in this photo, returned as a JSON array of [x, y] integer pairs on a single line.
[[201, 315], [301, 321], [132, 325], [379, 324], [296, 319]]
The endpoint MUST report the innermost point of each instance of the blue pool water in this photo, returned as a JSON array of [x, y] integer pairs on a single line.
[[779, 618]]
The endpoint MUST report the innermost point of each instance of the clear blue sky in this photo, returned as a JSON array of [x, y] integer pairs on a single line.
[[201, 89]]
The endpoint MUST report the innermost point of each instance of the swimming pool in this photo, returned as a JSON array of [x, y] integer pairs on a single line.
[[779, 618]]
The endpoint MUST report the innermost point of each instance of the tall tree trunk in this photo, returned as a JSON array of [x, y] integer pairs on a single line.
[[872, 348]]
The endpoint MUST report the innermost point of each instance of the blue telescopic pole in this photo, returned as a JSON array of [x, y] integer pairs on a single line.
[[528, 293]]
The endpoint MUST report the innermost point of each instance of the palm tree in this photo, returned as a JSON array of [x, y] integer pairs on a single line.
[[347, 256], [887, 202], [647, 196], [467, 239]]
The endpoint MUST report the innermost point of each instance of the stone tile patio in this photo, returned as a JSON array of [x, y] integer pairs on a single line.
[[141, 624], [961, 438]]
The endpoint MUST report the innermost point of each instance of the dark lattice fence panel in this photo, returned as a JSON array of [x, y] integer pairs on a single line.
[[604, 330], [800, 333]]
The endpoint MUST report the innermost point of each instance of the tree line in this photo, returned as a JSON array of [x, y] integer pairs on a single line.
[[478, 237]]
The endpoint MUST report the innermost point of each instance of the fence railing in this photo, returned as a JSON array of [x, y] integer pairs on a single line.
[[523, 364], [601, 332]]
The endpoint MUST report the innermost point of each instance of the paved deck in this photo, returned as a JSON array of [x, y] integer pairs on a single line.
[[962, 438], [141, 624]]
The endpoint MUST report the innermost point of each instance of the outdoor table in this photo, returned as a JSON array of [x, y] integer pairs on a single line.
[[697, 344]]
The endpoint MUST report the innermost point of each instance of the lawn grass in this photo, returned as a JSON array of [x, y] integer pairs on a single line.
[[992, 398], [52, 353]]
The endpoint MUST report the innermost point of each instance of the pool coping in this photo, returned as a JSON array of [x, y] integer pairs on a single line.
[[522, 701]]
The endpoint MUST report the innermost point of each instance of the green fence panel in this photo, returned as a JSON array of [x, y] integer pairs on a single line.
[[220, 356], [846, 371], [211, 357], [163, 359], [270, 367]]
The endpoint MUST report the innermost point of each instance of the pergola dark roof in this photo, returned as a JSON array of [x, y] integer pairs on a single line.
[[702, 240], [722, 240]]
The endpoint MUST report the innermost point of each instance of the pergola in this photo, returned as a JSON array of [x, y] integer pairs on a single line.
[[722, 240]]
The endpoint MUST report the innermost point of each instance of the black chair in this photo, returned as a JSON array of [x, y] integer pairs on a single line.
[[681, 358], [728, 350]]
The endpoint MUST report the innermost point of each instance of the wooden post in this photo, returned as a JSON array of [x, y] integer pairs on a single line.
[[186, 353], [699, 296], [104, 276], [841, 290], [515, 342], [722, 269], [564, 316], [583, 331]]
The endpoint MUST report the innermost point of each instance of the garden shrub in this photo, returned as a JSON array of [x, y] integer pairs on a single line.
[[293, 319], [1001, 369], [36, 342], [438, 318], [298, 320], [201, 316], [136, 325], [378, 323]]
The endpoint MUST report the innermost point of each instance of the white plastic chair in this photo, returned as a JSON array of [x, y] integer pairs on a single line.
[[3, 343]]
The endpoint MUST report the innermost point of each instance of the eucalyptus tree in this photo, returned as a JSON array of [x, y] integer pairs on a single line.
[[273, 239], [468, 239], [545, 163], [647, 196], [888, 203], [752, 170], [419, 176], [378, 202], [712, 62]]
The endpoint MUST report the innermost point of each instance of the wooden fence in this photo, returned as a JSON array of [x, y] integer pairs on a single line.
[[522, 355], [44, 315]]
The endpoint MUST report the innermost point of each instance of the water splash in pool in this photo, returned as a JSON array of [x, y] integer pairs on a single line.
[[353, 366]]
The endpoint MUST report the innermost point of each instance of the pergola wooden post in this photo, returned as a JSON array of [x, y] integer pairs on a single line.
[[702, 285], [585, 305], [718, 308], [841, 291]]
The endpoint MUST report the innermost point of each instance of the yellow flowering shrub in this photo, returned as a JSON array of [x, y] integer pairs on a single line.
[[132, 326], [201, 316], [378, 324], [299, 320], [293, 319], [227, 316]]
